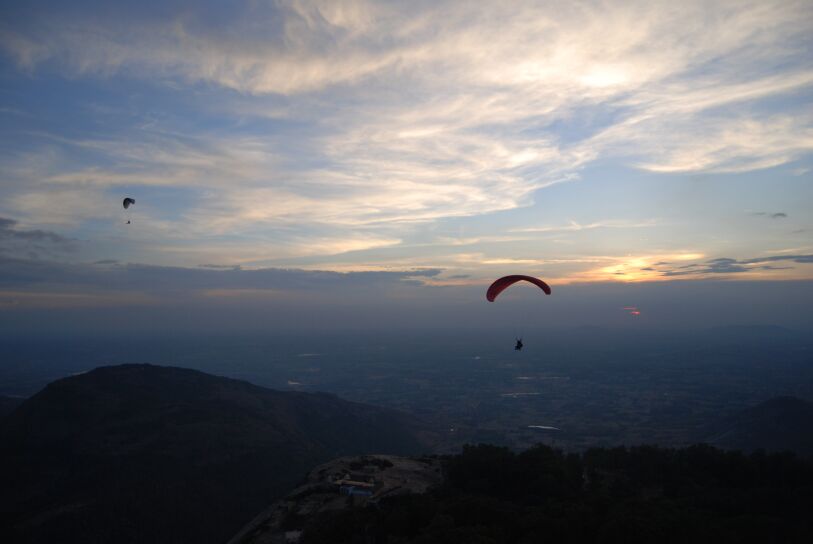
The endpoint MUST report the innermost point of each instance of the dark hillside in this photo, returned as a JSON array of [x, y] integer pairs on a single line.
[[778, 424], [140, 453], [8, 404]]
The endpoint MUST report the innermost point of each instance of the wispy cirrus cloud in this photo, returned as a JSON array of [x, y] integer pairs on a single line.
[[575, 226], [333, 127]]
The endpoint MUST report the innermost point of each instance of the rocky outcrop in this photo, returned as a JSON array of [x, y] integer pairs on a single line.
[[341, 483]]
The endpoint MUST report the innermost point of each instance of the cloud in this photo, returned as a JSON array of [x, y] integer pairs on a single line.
[[8, 231], [575, 226], [32, 243], [726, 265], [691, 143], [221, 266], [365, 114], [793, 258], [664, 267], [40, 278], [772, 215]]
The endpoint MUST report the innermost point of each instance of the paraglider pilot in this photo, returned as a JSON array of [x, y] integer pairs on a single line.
[[126, 203], [505, 282]]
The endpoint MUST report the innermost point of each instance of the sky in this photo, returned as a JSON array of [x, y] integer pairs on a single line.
[[346, 155]]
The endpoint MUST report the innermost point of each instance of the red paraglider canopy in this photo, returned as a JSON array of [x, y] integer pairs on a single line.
[[505, 282]]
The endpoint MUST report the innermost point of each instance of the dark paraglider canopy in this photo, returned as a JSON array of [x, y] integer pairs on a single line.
[[505, 282], [128, 202]]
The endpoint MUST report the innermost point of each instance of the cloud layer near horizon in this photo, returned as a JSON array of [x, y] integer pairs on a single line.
[[47, 297]]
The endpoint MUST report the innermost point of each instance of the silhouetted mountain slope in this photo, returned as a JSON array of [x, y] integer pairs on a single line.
[[781, 423], [8, 404], [140, 453]]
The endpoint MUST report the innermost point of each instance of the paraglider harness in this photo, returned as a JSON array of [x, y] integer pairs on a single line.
[[518, 347]]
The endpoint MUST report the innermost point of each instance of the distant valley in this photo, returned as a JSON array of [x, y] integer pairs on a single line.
[[598, 387]]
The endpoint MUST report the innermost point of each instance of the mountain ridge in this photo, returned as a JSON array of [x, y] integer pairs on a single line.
[[184, 455]]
